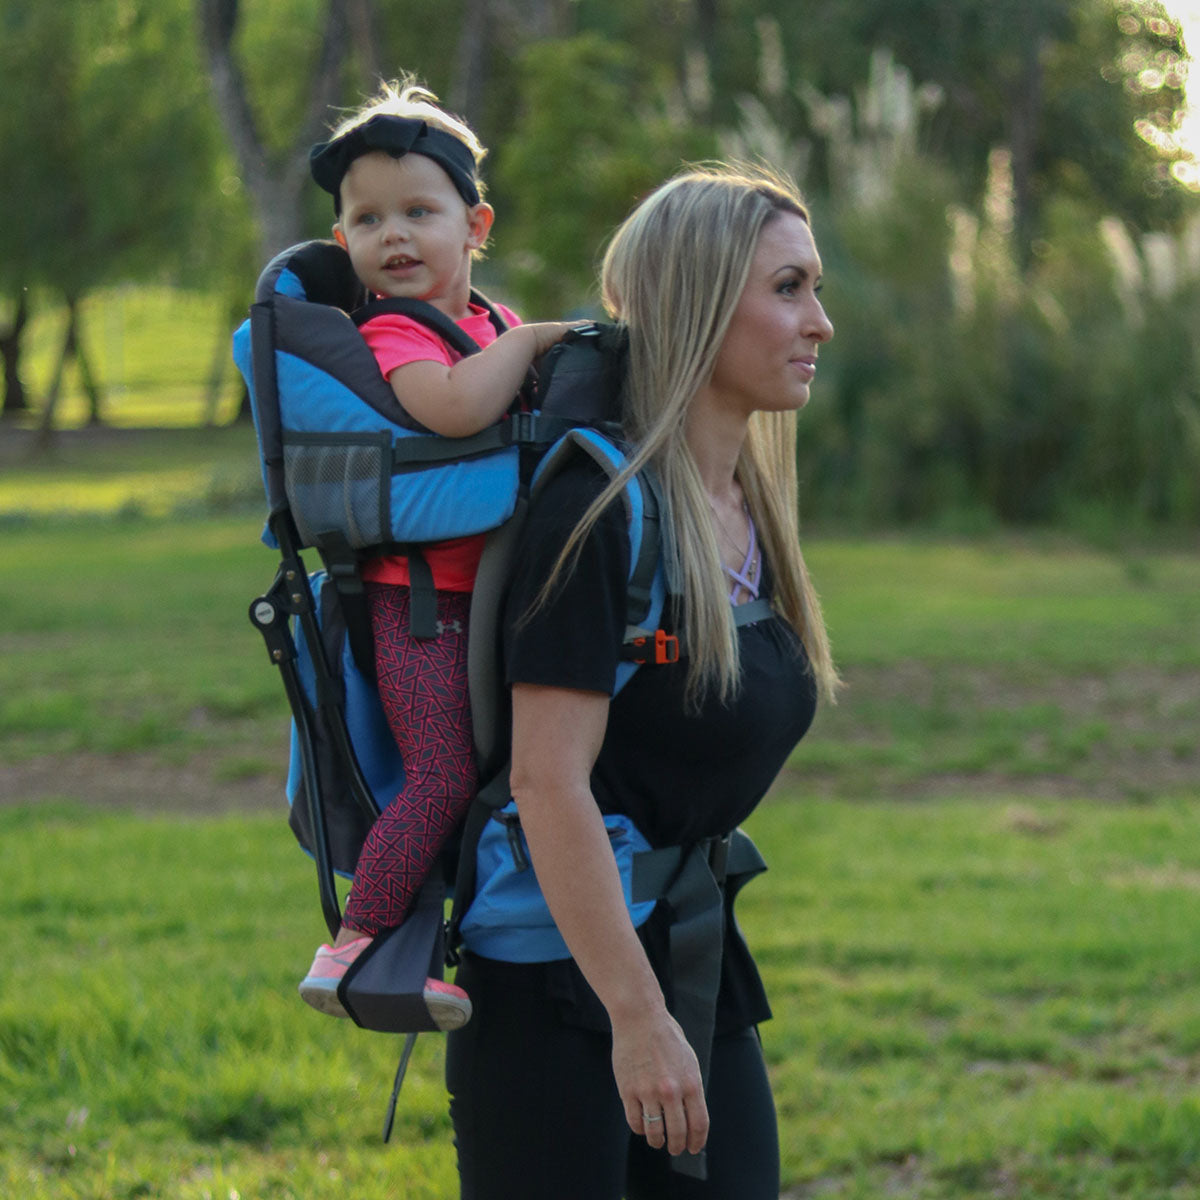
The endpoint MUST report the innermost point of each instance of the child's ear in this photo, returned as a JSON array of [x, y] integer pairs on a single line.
[[479, 224], [339, 236]]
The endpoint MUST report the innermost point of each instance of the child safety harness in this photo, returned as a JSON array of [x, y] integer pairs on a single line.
[[348, 473]]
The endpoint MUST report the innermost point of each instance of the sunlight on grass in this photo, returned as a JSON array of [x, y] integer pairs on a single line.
[[153, 350], [151, 472]]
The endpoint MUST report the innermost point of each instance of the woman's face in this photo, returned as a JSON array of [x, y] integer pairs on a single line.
[[769, 357]]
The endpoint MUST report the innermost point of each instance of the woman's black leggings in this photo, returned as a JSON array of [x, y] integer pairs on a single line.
[[537, 1115]]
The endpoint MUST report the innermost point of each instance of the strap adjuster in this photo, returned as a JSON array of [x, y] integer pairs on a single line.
[[662, 648]]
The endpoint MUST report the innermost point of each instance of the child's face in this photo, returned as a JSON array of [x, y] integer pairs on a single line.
[[408, 231]]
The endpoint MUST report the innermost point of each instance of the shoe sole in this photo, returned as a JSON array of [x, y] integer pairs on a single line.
[[448, 1012], [323, 999]]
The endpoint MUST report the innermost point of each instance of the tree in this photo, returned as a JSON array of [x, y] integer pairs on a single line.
[[274, 160], [588, 138], [106, 159], [1066, 85]]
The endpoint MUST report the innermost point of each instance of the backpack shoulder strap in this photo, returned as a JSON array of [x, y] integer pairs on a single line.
[[449, 330]]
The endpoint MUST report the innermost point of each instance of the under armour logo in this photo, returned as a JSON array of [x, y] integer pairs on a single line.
[[449, 627]]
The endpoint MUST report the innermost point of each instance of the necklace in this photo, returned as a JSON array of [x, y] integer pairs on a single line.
[[745, 578]]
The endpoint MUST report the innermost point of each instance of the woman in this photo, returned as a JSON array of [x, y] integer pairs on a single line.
[[575, 1079]]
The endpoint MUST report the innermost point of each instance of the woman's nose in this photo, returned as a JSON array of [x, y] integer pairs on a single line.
[[822, 326]]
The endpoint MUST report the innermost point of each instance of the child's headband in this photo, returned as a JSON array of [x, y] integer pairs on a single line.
[[396, 136]]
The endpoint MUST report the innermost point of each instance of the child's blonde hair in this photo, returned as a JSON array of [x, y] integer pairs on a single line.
[[405, 97]]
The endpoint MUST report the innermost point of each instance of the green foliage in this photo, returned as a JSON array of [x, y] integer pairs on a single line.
[[106, 140], [971, 387], [589, 138]]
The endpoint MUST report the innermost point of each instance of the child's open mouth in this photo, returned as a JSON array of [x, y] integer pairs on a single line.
[[400, 262]]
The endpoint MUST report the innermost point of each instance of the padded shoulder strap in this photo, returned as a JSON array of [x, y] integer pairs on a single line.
[[450, 331], [642, 500]]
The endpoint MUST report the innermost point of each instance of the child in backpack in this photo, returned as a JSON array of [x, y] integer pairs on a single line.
[[410, 213]]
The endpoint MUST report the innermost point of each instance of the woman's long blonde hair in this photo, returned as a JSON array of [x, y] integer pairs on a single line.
[[673, 274]]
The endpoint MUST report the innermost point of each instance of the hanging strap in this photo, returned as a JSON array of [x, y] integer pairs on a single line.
[[694, 882]]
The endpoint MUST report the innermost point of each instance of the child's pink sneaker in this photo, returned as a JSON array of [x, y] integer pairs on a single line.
[[449, 1006], [319, 986]]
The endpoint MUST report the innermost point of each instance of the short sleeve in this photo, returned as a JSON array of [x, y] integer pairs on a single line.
[[396, 340], [572, 640]]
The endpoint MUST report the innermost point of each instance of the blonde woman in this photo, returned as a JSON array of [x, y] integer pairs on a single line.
[[576, 1079]]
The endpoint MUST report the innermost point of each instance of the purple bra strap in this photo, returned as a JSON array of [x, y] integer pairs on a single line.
[[743, 579]]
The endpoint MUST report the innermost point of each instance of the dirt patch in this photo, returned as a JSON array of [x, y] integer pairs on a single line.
[[136, 782], [903, 731]]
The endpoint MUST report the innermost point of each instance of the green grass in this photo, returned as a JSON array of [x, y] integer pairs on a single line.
[[971, 999], [152, 350], [980, 931]]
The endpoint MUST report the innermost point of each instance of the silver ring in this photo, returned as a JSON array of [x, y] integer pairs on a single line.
[[651, 1120]]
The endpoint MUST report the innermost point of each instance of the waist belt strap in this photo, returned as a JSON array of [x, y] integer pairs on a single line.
[[694, 881]]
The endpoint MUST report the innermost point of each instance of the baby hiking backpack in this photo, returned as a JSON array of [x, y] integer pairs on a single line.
[[349, 474]]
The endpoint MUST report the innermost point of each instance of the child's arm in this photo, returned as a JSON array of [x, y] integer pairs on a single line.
[[462, 399]]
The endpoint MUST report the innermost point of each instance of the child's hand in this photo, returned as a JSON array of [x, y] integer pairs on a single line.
[[547, 333]]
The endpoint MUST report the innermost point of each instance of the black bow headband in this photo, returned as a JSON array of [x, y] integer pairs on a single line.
[[396, 136]]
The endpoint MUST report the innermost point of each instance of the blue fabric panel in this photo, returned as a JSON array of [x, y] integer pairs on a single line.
[[456, 499], [242, 359], [509, 920], [374, 746], [288, 282], [427, 505], [312, 401]]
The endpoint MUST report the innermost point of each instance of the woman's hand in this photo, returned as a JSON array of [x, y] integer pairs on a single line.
[[658, 1078]]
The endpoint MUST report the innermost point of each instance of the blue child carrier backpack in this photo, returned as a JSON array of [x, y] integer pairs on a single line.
[[349, 474]]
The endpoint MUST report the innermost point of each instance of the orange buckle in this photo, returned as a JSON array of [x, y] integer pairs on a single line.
[[665, 652], [666, 647]]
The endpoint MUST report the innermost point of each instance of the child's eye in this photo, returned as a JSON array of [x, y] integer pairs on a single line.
[[418, 210], [367, 218]]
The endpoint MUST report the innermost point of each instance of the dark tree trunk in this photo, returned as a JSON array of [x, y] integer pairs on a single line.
[[16, 400], [45, 436], [471, 61], [1024, 126], [276, 182]]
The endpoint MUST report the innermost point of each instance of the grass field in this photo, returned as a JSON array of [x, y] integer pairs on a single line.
[[980, 932]]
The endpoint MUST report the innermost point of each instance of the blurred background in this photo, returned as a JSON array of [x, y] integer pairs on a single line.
[[1006, 194]]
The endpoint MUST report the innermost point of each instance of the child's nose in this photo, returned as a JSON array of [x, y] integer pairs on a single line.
[[395, 229]]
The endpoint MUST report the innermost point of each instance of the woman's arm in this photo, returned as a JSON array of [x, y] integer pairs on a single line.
[[557, 734], [462, 399]]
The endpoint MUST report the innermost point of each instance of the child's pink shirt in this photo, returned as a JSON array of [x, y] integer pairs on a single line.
[[395, 341]]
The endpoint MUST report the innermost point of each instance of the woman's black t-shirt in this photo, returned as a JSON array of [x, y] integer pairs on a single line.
[[680, 774]]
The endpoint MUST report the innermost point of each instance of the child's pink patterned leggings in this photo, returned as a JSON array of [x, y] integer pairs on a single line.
[[423, 686]]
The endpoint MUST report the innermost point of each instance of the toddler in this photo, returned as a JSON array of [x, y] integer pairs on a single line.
[[410, 213]]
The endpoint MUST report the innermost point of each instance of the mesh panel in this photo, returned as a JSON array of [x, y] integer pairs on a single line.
[[338, 483]]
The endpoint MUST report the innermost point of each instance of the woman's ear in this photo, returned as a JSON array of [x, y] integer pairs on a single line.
[[479, 224], [339, 236]]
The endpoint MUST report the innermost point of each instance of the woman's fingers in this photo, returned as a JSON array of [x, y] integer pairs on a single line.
[[659, 1081]]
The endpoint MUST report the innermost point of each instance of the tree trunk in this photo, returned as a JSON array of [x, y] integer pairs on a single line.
[[87, 377], [45, 435], [1024, 121], [364, 33], [276, 182], [16, 401], [471, 61]]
